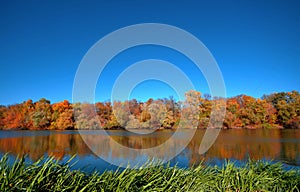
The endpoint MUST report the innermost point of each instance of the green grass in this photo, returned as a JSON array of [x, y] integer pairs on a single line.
[[49, 175]]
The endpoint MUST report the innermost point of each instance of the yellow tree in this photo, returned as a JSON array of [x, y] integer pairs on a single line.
[[62, 117]]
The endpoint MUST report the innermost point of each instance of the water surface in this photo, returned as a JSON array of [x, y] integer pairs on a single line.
[[235, 144]]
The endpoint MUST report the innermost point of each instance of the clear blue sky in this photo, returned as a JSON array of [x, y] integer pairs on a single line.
[[255, 43]]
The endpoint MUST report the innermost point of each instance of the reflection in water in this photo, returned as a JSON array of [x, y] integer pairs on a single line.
[[35, 147], [282, 145]]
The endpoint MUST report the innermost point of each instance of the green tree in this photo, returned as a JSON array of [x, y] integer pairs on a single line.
[[42, 114], [287, 105]]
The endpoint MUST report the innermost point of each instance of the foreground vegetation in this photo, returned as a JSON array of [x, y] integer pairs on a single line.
[[278, 110], [50, 175]]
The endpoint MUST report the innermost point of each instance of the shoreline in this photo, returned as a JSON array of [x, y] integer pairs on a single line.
[[147, 129]]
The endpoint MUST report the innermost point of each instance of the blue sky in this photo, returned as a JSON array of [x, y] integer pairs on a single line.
[[255, 43]]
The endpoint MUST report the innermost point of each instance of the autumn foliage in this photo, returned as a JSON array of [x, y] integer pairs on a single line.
[[277, 110]]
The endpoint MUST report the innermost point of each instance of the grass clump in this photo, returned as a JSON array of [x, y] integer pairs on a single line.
[[50, 175]]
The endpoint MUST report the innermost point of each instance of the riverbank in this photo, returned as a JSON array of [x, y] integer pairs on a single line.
[[49, 175]]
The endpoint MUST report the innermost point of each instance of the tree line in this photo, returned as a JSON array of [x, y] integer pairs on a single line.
[[277, 110]]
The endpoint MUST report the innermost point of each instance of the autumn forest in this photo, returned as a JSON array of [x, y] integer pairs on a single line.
[[277, 110]]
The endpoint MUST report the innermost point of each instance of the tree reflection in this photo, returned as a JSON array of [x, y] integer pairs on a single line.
[[231, 144]]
